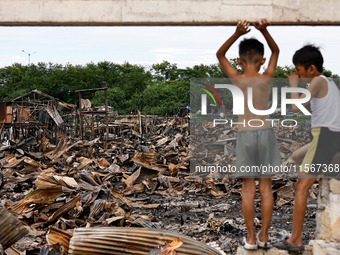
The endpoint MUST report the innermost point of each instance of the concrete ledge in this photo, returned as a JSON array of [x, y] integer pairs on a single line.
[[166, 12], [328, 213], [321, 247], [272, 251]]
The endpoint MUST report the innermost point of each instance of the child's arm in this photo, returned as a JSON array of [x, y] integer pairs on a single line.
[[262, 27], [315, 86], [241, 29]]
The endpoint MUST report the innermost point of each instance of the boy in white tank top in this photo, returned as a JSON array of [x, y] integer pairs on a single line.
[[316, 157]]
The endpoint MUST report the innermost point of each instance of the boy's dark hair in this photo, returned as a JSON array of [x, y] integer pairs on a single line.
[[308, 55], [251, 50]]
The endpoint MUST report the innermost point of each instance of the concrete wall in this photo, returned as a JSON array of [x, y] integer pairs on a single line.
[[166, 12], [327, 232], [328, 213]]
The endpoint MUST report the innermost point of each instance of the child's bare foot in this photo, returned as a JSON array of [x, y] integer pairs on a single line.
[[263, 237], [251, 240]]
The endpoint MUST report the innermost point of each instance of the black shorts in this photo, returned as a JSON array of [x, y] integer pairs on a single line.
[[324, 146]]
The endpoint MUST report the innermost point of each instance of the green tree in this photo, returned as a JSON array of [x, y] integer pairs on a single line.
[[115, 98], [160, 89]]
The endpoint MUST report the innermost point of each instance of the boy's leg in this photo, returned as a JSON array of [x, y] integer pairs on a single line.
[[300, 153], [302, 187], [266, 193], [248, 196]]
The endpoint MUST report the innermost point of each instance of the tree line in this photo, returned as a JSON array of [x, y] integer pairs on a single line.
[[159, 89]]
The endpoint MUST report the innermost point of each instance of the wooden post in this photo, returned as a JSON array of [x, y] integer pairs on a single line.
[[75, 124], [92, 126], [98, 129], [107, 120], [140, 122], [80, 117], [2, 128], [92, 120], [22, 108]]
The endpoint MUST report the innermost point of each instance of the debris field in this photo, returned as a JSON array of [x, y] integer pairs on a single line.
[[81, 195]]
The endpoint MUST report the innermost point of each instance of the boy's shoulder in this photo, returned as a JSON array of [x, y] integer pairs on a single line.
[[320, 78], [319, 82], [255, 81], [254, 75]]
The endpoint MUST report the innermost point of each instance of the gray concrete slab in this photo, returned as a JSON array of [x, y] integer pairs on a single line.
[[166, 12]]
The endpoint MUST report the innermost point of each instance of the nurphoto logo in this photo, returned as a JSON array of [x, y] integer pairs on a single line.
[[238, 100]]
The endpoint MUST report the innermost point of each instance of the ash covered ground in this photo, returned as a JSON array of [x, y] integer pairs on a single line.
[[141, 180]]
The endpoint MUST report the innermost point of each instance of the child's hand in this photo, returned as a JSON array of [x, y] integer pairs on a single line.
[[293, 79], [263, 24], [242, 28]]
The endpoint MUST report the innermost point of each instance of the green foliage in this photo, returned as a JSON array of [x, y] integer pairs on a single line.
[[161, 97], [165, 71], [115, 98], [160, 89]]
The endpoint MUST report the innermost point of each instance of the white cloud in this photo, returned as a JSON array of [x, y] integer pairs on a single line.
[[18, 59], [188, 57], [177, 51]]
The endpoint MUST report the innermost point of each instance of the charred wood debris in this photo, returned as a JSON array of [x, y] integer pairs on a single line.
[[133, 193]]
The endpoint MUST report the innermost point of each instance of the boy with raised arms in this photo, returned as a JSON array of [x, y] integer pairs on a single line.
[[256, 142]]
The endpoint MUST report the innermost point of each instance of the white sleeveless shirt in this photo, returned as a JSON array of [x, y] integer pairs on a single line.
[[326, 110]]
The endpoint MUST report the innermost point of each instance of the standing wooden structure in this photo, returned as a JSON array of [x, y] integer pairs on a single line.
[[29, 113], [91, 112]]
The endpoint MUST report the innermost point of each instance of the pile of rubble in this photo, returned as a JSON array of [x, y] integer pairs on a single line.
[[137, 185]]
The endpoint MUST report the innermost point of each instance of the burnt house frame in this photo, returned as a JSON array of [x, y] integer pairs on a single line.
[[32, 114]]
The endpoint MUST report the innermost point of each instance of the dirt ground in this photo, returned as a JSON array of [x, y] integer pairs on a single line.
[[208, 219], [204, 218]]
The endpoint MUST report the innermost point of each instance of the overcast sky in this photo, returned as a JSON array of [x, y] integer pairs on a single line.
[[186, 46]]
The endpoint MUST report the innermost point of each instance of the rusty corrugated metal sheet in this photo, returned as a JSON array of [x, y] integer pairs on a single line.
[[11, 230], [144, 159], [58, 236], [64, 209], [16, 163], [39, 196], [115, 240], [54, 114], [167, 248], [9, 114]]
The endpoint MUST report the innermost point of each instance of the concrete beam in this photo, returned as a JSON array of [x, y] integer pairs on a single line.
[[166, 12]]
